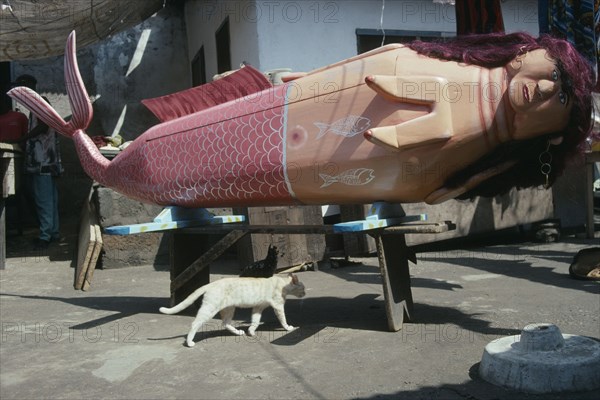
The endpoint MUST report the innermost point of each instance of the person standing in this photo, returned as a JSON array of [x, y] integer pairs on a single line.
[[42, 166], [13, 124]]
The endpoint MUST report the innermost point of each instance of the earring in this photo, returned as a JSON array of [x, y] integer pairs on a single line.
[[516, 60], [545, 159], [519, 58]]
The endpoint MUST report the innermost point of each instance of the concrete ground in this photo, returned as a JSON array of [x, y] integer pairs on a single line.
[[111, 342]]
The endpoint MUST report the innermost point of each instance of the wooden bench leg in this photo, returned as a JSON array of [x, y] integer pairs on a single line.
[[589, 200], [393, 260], [191, 256], [184, 250], [2, 232]]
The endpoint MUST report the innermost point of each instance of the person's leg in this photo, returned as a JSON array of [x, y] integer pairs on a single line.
[[43, 197], [30, 206], [54, 232]]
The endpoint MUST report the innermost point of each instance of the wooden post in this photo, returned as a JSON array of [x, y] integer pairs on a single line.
[[356, 244], [2, 233], [590, 158], [184, 250], [393, 261], [294, 249], [7, 183]]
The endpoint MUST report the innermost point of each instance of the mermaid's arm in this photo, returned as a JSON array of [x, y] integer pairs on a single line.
[[445, 193]]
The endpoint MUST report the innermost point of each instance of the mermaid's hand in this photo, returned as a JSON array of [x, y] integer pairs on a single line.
[[436, 126], [444, 193]]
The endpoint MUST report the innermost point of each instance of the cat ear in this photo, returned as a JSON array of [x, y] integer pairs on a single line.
[[294, 279]]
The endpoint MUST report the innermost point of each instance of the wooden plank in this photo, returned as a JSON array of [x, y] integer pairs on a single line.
[[355, 244], [305, 248], [590, 159], [393, 261], [261, 242], [419, 227], [170, 225], [2, 233], [89, 245], [370, 224], [96, 244], [84, 250], [315, 243], [85, 285], [8, 188], [270, 229], [293, 250], [212, 254]]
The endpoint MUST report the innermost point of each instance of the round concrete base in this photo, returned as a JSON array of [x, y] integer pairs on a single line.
[[542, 360]]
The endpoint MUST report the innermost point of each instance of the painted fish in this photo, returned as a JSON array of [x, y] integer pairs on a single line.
[[351, 177], [350, 126]]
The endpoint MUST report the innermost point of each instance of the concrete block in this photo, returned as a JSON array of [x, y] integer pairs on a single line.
[[542, 360], [130, 250], [115, 209], [135, 250]]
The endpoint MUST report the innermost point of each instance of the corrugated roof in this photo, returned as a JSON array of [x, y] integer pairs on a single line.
[[31, 29]]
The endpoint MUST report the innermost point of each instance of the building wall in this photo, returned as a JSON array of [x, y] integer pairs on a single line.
[[304, 35], [147, 60], [202, 20], [308, 35], [520, 16]]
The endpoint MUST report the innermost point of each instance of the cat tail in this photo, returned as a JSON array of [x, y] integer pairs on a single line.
[[81, 106], [185, 303]]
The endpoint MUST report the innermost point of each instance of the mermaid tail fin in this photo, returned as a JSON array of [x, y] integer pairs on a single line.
[[38, 106], [81, 106]]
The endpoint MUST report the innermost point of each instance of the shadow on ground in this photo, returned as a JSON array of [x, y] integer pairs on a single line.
[[475, 388]]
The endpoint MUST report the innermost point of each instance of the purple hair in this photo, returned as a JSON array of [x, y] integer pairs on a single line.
[[497, 50]]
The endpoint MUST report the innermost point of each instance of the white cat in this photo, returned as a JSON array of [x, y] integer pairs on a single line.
[[226, 294]]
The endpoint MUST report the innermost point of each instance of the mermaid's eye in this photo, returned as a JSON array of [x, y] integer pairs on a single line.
[[562, 97]]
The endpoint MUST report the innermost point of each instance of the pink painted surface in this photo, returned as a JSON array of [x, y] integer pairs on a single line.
[[225, 155], [244, 82]]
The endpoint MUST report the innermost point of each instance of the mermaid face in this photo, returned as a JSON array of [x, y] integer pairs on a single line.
[[537, 95]]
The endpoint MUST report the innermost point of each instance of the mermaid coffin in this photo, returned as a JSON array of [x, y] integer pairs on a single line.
[[388, 125]]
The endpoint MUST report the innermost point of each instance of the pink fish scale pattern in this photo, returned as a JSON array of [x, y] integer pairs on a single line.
[[217, 157]]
